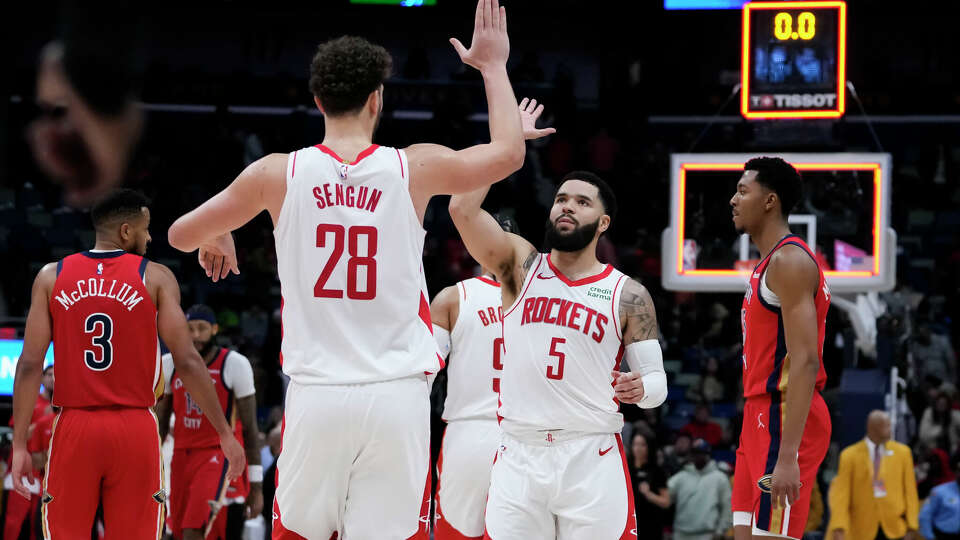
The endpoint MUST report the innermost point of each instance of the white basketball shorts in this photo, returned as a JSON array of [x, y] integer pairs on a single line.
[[355, 461], [466, 457], [557, 486]]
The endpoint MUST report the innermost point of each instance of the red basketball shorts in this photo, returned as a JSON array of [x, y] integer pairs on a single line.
[[760, 438], [104, 455], [197, 488]]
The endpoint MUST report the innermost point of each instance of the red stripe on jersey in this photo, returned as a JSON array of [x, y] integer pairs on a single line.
[[613, 307], [281, 331], [425, 317], [400, 159], [530, 277], [369, 150], [630, 529], [582, 281], [104, 332], [487, 280], [293, 168]]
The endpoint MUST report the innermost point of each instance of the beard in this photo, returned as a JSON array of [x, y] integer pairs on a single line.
[[204, 348], [575, 240]]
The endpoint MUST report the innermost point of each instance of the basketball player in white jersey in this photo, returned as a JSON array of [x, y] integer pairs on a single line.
[[466, 325], [357, 336], [466, 322], [560, 471]]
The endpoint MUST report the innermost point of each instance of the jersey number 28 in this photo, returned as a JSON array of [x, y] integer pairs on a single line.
[[354, 263]]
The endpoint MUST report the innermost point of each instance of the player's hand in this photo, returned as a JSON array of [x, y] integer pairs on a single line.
[[490, 45], [627, 387], [254, 502], [785, 484], [838, 534], [234, 454], [529, 113], [21, 465], [219, 257]]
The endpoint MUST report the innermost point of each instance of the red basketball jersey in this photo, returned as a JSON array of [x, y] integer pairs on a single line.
[[105, 342], [766, 362], [191, 428]]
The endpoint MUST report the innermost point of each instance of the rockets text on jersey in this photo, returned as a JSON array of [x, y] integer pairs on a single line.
[[562, 339], [105, 341], [349, 257]]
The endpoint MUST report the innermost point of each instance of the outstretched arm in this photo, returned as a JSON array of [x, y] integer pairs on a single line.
[[487, 242], [793, 277], [26, 384], [646, 383], [173, 330], [436, 169], [261, 186]]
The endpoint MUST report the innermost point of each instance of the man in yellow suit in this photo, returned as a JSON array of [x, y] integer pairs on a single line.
[[874, 495]]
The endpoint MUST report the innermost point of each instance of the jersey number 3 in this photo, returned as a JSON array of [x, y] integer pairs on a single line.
[[101, 326], [354, 263]]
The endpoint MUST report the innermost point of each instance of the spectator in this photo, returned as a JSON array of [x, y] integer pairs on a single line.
[[708, 387], [700, 427], [676, 458], [940, 515], [940, 424], [933, 469], [874, 494], [649, 484], [933, 356], [701, 493]]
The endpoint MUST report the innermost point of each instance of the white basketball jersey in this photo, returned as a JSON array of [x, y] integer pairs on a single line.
[[473, 373], [349, 256], [561, 341]]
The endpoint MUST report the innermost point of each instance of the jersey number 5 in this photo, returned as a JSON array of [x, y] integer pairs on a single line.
[[557, 373], [101, 325], [354, 263]]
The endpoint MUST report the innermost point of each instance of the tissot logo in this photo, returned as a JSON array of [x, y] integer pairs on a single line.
[[793, 101]]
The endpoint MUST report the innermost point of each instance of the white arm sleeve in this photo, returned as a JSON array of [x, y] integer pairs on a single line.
[[646, 358], [443, 340], [238, 375], [166, 368]]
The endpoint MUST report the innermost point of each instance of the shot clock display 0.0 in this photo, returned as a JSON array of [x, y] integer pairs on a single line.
[[793, 59]]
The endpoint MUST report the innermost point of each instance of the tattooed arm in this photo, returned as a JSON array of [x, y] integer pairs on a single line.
[[638, 317], [646, 383]]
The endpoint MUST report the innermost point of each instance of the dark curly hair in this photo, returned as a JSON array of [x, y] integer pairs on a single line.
[[344, 72], [780, 177]]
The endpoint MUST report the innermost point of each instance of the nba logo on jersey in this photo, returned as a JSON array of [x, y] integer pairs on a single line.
[[99, 269], [342, 169]]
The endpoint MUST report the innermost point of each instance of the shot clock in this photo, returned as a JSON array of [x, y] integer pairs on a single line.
[[794, 59]]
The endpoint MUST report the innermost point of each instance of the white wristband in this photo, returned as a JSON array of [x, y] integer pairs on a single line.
[[255, 473]]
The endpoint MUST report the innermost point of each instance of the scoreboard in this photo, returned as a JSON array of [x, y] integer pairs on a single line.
[[793, 59]]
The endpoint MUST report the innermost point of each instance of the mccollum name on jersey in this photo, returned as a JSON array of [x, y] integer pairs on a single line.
[[117, 290]]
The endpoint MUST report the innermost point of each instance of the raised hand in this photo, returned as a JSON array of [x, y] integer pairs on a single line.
[[529, 113], [490, 45]]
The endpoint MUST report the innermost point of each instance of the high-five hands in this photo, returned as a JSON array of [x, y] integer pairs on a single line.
[[529, 113], [490, 46]]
